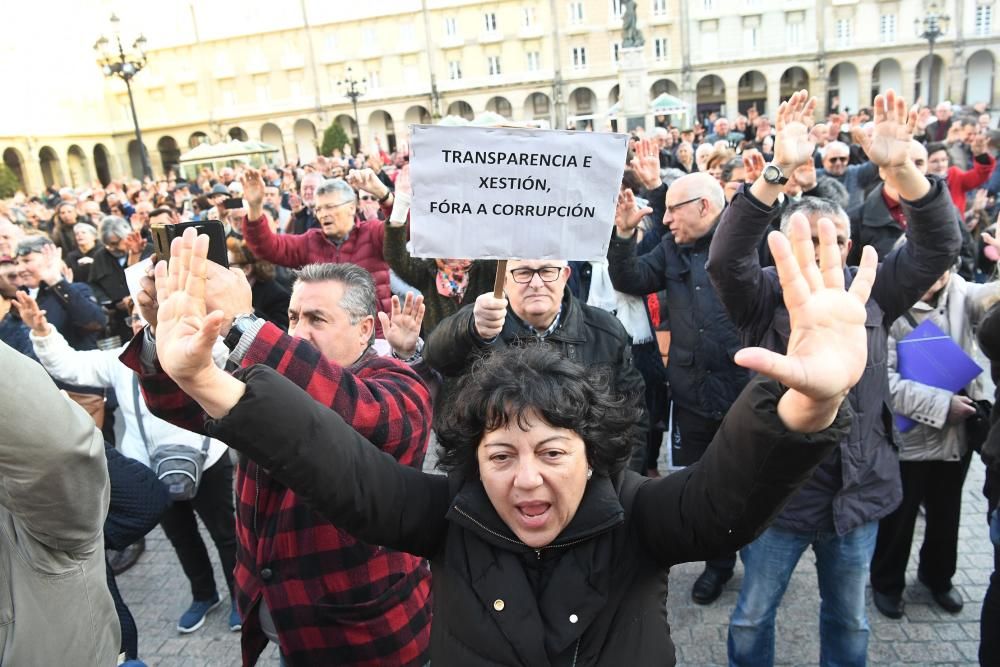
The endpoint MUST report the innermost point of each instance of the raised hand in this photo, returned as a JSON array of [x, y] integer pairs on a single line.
[[185, 331], [828, 346], [365, 179], [31, 314], [402, 329], [979, 145], [646, 163], [793, 143], [753, 164], [146, 299], [627, 214], [52, 274], [134, 243], [889, 144], [253, 192]]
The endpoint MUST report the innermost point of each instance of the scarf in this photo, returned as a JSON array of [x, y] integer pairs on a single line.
[[630, 310], [453, 277]]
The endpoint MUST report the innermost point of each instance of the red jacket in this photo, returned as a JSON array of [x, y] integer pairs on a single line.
[[334, 600], [960, 182], [363, 247]]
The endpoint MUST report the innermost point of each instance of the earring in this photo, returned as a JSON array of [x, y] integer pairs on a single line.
[[590, 473]]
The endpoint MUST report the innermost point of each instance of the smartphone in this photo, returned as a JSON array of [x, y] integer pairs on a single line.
[[217, 252]]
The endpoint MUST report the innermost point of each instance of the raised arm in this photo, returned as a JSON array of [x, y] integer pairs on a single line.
[[632, 273], [281, 249]]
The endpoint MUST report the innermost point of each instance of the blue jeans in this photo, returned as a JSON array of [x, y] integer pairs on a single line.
[[842, 568]]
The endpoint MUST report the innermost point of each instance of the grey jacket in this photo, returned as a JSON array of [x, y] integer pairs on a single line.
[[55, 608], [860, 483], [960, 307]]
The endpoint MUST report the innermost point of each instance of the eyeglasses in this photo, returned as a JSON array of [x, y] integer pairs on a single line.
[[331, 207], [525, 275], [367, 198], [838, 159], [671, 209]]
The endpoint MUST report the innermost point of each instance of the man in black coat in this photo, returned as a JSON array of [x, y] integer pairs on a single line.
[[539, 308], [838, 509], [704, 380]]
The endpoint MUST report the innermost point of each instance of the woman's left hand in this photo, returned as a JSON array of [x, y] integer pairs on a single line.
[[828, 345], [403, 329]]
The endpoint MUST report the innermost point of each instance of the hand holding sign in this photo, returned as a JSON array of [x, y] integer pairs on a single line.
[[488, 315]]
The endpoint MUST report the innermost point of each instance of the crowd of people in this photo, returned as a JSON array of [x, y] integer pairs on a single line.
[[762, 279]]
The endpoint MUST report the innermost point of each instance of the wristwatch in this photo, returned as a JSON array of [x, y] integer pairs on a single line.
[[240, 325], [774, 175], [417, 353]]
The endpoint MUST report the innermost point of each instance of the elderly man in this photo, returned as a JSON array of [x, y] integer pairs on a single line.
[[855, 177], [272, 196], [304, 218], [838, 509], [723, 133], [937, 129], [321, 595], [122, 247], [704, 380], [340, 239], [538, 307]]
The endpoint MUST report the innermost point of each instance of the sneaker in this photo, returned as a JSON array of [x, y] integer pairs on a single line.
[[195, 615], [235, 622]]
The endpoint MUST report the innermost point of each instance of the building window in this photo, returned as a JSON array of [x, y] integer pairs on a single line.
[[491, 21], [527, 16], [228, 93], [887, 29], [616, 9], [373, 80], [983, 20], [616, 52], [579, 57], [368, 38], [454, 70], [540, 104], [661, 49], [708, 5], [576, 13], [493, 65], [659, 7], [450, 27], [793, 33], [750, 37], [844, 30], [534, 62], [262, 93]]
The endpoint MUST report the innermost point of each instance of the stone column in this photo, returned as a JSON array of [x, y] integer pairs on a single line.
[[632, 88], [732, 99]]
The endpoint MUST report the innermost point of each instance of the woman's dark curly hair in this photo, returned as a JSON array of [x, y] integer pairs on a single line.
[[510, 384]]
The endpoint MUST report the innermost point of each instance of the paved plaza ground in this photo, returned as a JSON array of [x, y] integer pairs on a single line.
[[157, 593]]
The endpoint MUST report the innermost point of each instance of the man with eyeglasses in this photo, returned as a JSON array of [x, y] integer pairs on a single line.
[[341, 237], [704, 380], [539, 308], [836, 512], [855, 177]]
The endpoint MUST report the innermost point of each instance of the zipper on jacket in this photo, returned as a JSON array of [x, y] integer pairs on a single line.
[[576, 650]]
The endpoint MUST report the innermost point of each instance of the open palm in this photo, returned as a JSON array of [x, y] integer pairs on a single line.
[[827, 348], [793, 143], [889, 144]]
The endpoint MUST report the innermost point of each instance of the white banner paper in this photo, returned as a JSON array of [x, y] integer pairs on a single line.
[[504, 193]]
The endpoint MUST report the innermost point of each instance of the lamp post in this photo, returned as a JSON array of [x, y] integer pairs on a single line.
[[114, 60], [353, 90], [931, 27]]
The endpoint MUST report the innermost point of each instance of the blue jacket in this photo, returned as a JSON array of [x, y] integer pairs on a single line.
[[73, 310], [856, 179], [860, 481]]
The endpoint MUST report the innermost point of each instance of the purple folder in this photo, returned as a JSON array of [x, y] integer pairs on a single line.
[[930, 356]]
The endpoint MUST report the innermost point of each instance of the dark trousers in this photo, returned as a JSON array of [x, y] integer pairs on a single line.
[[214, 504], [989, 622], [938, 485], [692, 435]]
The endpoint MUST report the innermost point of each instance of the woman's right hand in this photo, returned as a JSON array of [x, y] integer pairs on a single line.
[[31, 314]]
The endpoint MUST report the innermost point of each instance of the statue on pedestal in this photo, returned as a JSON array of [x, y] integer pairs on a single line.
[[631, 37]]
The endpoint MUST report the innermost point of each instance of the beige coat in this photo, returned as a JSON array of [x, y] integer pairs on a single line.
[[959, 308], [55, 608]]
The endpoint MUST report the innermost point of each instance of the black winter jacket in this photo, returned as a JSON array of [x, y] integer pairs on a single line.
[[861, 482], [703, 377], [989, 341], [599, 589]]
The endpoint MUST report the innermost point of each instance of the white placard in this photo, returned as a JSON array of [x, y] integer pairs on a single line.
[[132, 276], [505, 193]]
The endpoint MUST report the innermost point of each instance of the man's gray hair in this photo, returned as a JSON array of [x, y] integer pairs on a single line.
[[359, 298], [85, 227], [339, 187], [833, 191], [112, 225], [701, 185], [814, 207]]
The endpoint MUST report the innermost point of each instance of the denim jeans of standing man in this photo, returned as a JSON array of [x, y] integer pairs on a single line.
[[842, 568]]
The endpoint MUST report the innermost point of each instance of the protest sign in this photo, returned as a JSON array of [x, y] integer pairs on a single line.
[[506, 193]]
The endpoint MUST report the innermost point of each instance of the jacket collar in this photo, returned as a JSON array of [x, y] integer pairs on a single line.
[[599, 511], [569, 323]]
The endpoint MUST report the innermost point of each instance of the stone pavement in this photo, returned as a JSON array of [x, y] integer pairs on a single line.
[[157, 592]]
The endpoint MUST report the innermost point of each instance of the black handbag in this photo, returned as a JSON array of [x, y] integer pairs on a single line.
[[977, 427]]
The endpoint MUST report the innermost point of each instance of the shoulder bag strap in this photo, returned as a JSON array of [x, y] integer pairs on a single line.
[[909, 318]]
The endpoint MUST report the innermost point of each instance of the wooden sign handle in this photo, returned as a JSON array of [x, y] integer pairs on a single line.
[[501, 275]]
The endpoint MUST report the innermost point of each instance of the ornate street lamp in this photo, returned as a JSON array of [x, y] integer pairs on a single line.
[[114, 60], [353, 89], [931, 28]]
